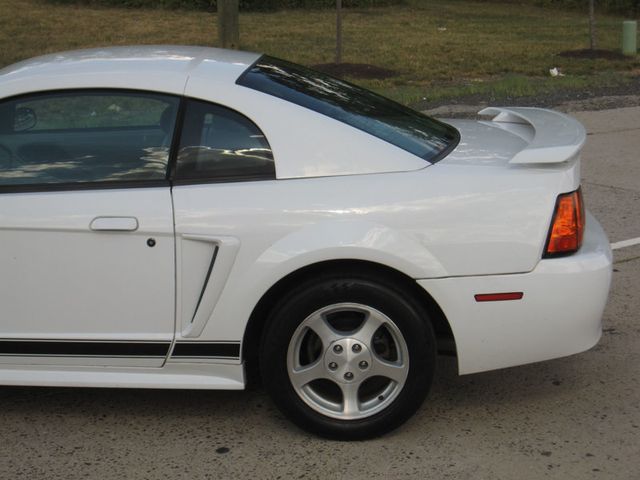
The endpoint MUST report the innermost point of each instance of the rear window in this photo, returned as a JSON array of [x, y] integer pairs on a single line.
[[383, 118]]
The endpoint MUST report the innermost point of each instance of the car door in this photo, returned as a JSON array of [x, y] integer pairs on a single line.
[[86, 228]]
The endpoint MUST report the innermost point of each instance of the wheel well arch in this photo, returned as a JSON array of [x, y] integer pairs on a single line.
[[258, 318]]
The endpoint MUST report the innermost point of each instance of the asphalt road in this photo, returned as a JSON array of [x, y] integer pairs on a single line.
[[572, 418]]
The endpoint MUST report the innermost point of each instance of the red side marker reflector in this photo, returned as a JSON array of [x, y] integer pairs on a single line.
[[498, 297]]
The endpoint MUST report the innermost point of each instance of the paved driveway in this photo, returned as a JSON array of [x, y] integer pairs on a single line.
[[573, 418]]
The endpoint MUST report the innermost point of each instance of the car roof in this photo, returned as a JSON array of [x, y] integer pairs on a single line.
[[305, 143], [156, 67]]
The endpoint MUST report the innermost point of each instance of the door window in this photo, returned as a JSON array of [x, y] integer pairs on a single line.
[[95, 137]]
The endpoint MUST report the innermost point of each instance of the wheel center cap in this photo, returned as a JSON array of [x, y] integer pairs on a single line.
[[347, 360]]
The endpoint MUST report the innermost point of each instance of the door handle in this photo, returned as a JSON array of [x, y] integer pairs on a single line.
[[114, 224]]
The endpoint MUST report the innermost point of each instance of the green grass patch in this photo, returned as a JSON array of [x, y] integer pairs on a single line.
[[508, 87]]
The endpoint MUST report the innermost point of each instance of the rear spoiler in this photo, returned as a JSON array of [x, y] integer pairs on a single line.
[[556, 137]]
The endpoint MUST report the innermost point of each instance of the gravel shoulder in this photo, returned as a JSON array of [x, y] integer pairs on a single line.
[[467, 107]]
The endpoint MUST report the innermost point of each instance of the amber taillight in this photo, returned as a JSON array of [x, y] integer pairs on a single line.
[[567, 226]]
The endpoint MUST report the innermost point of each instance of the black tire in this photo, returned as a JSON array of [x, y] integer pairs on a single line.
[[407, 314]]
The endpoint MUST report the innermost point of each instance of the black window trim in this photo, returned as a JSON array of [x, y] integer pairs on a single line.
[[83, 186], [175, 141], [222, 179]]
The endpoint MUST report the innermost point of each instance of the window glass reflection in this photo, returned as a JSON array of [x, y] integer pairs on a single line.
[[86, 136]]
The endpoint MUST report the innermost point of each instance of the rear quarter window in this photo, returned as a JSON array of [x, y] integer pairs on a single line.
[[220, 144]]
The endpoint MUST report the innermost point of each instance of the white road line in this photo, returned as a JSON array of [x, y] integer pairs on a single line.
[[625, 243]]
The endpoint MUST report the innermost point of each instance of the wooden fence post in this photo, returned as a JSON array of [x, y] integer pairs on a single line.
[[338, 31], [228, 24]]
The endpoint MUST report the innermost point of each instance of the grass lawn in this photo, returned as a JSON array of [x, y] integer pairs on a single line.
[[439, 48]]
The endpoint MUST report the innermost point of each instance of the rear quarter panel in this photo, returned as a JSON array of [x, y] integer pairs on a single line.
[[441, 221]]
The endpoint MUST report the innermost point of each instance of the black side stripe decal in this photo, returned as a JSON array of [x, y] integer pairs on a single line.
[[206, 281], [94, 349], [206, 350], [227, 350]]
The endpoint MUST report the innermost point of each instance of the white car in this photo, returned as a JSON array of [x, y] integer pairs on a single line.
[[171, 217]]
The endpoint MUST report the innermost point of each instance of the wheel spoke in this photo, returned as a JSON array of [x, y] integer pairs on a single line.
[[346, 360], [393, 371], [304, 375], [372, 322], [350, 403], [318, 323]]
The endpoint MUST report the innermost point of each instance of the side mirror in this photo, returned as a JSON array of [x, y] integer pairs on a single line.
[[24, 119]]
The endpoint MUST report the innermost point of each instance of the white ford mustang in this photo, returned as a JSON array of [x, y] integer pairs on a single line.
[[170, 216]]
